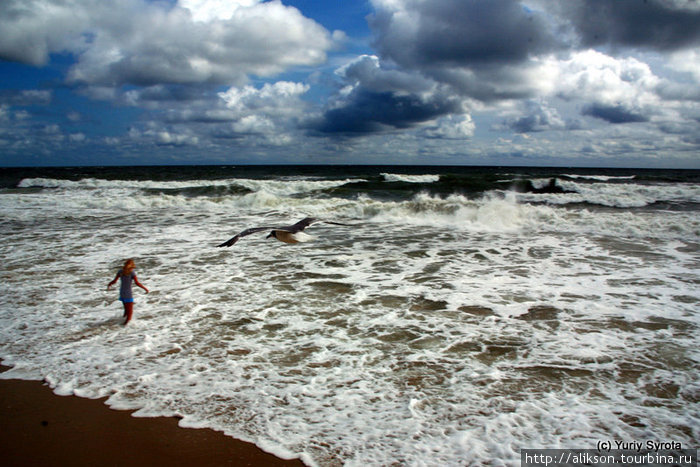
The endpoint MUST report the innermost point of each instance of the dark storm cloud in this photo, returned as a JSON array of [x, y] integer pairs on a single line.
[[374, 99], [493, 50], [614, 113], [527, 124], [474, 33], [367, 71], [656, 24], [436, 53], [458, 33], [370, 112], [483, 50], [167, 93]]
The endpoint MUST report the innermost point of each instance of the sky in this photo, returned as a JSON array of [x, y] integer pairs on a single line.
[[604, 83]]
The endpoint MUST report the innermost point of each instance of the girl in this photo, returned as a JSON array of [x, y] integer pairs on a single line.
[[127, 274]]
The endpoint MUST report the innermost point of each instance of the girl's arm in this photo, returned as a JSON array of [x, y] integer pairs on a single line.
[[136, 281], [116, 278]]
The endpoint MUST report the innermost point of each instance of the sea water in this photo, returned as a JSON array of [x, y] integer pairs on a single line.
[[463, 315]]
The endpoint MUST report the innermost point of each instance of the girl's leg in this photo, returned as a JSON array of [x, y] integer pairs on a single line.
[[128, 311]]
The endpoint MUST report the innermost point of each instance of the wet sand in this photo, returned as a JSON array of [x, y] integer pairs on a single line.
[[42, 428]]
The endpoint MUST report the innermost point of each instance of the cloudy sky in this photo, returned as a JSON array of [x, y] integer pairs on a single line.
[[463, 82]]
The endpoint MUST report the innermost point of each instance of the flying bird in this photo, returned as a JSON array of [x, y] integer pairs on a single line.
[[288, 234]]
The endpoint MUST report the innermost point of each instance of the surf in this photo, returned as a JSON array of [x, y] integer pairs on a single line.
[[439, 331]]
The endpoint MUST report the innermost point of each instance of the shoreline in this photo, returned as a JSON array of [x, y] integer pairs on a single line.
[[43, 428]]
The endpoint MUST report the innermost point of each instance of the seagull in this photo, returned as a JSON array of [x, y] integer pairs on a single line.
[[288, 234]]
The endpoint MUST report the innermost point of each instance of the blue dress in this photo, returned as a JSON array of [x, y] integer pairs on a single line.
[[125, 294]]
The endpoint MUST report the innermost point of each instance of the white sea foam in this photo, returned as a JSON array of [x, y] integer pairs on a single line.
[[277, 187], [291, 187], [458, 212], [602, 178], [430, 178], [435, 331]]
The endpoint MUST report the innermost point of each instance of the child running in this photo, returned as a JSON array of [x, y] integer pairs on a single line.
[[127, 275]]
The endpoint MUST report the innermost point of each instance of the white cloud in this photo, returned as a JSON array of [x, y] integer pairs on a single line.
[[77, 137], [4, 112], [168, 138], [452, 127], [208, 10], [169, 47], [266, 130], [615, 89], [278, 99], [687, 61], [533, 116], [605, 79], [21, 115], [272, 111], [143, 43], [253, 124]]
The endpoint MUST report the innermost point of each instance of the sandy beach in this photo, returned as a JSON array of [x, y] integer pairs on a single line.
[[42, 428]]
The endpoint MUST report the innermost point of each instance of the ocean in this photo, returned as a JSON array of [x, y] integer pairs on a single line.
[[464, 314]]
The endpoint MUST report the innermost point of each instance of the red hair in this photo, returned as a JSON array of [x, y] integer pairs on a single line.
[[129, 266]]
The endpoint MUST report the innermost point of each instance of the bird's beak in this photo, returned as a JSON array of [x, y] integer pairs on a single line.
[[269, 236]]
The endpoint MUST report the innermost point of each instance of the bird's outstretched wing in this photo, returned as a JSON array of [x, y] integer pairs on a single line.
[[235, 238], [304, 223], [298, 227]]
